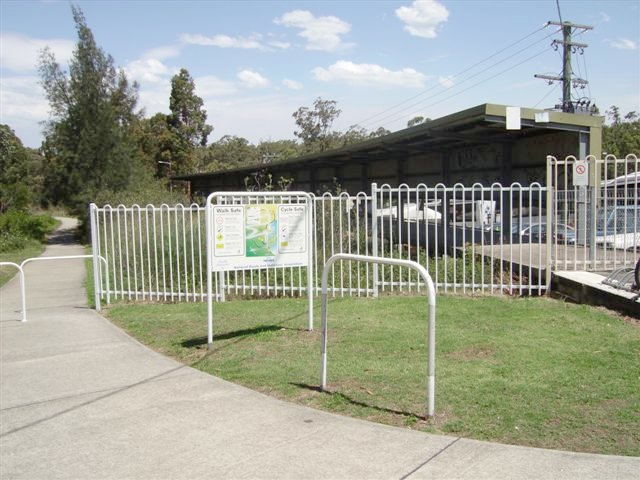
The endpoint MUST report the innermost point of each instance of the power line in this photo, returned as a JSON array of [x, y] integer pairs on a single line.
[[479, 83], [586, 74], [459, 83], [559, 14], [369, 119], [551, 90]]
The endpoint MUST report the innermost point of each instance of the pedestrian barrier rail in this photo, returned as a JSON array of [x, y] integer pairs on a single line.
[[23, 286], [431, 316]]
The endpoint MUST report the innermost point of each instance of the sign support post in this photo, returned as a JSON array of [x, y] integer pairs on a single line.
[[258, 233]]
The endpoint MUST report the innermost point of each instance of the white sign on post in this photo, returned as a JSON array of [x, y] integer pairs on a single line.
[[259, 236], [580, 173]]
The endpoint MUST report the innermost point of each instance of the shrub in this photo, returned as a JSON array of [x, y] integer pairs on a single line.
[[17, 227]]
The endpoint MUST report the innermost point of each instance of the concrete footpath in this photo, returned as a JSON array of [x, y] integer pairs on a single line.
[[80, 399]]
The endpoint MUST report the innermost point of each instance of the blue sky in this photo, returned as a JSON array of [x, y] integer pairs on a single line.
[[384, 62]]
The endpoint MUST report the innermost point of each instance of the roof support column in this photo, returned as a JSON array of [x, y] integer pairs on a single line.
[[366, 184], [506, 173], [402, 170], [313, 175], [446, 168], [337, 173]]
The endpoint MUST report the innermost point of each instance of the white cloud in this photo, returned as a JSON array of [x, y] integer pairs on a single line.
[[253, 117], [223, 41], [22, 97], [604, 17], [321, 33], [154, 98], [423, 17], [292, 84], [447, 81], [211, 86], [624, 44], [150, 70], [20, 53], [24, 106], [161, 53], [252, 79], [368, 74], [280, 45]]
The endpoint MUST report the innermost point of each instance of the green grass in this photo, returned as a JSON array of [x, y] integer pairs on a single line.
[[32, 248], [530, 371]]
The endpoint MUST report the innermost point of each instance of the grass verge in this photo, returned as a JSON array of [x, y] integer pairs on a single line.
[[31, 248], [531, 371]]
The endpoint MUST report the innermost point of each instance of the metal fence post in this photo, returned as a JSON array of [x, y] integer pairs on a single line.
[[94, 251], [374, 234], [594, 182], [550, 216]]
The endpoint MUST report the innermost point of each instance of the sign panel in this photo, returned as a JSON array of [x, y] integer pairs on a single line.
[[292, 228], [259, 236], [513, 118], [228, 231], [580, 173]]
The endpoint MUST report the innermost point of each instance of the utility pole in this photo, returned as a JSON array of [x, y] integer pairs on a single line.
[[567, 78]]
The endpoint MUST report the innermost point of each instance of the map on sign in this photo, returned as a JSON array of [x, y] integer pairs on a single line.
[[261, 223], [259, 236]]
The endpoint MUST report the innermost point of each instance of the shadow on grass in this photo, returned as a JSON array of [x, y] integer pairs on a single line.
[[348, 399], [198, 341], [238, 336]]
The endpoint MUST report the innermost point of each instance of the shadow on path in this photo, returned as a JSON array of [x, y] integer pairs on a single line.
[[64, 236], [89, 402]]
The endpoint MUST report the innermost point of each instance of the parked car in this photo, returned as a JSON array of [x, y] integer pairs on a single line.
[[618, 227], [537, 233]]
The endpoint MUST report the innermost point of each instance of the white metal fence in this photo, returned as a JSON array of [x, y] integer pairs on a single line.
[[158, 252], [597, 225], [469, 238]]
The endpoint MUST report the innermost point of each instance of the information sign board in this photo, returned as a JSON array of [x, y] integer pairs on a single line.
[[259, 236], [267, 229]]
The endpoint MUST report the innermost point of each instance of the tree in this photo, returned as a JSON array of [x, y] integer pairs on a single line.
[[417, 120], [380, 132], [314, 126], [353, 135], [88, 143], [270, 151], [155, 143], [187, 122], [229, 152], [622, 136], [15, 188]]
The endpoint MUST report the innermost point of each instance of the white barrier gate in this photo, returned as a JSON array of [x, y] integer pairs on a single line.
[[257, 230], [431, 302], [23, 285]]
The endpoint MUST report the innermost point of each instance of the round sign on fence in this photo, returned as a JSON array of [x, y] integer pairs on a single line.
[[580, 173]]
